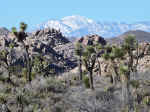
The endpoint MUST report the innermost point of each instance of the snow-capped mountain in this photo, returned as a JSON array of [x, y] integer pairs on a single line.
[[77, 26]]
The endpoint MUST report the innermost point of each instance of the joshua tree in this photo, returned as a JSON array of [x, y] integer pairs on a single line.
[[89, 59], [99, 52], [21, 36], [125, 84], [131, 50], [79, 52], [129, 46], [113, 54]]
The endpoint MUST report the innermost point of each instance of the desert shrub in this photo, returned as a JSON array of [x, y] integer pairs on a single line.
[[24, 74], [75, 78], [84, 73], [135, 83], [3, 98], [146, 100], [55, 85], [33, 74], [86, 81], [109, 88], [2, 78]]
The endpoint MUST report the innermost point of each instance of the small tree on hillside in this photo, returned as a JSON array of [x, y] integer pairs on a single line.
[[89, 59]]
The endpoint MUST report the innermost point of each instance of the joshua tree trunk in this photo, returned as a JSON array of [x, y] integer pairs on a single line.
[[28, 67], [113, 79], [126, 94], [80, 69], [99, 67], [115, 74], [28, 64], [9, 75], [137, 62], [91, 78]]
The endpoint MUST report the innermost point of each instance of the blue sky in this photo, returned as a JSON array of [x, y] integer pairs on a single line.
[[33, 12]]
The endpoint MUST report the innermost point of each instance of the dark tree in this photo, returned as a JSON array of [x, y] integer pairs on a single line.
[[79, 53], [21, 36], [89, 59]]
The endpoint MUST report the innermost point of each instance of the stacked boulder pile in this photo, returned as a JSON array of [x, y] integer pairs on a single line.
[[44, 43], [91, 40]]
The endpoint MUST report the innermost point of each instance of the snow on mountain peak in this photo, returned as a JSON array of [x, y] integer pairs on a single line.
[[77, 26], [76, 22]]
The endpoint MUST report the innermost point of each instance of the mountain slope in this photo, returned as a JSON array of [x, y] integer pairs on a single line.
[[141, 36], [77, 26]]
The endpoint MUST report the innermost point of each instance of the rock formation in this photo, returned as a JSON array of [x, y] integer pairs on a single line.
[[45, 43], [91, 40]]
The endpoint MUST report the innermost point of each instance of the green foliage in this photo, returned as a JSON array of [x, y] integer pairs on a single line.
[[3, 54], [11, 45], [146, 100], [89, 53], [78, 49], [25, 73], [84, 73], [129, 43], [37, 63], [33, 74], [3, 97], [23, 26], [123, 69], [117, 52], [21, 35], [89, 49], [106, 56], [135, 83], [98, 47], [112, 56], [86, 81], [108, 48], [14, 31], [113, 53]]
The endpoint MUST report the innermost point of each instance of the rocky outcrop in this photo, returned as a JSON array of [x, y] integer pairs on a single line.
[[50, 37], [91, 40], [48, 43], [4, 31]]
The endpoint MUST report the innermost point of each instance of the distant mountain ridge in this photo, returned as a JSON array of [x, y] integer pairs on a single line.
[[141, 36], [77, 26]]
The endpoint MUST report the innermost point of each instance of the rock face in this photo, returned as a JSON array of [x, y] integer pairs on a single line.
[[91, 40], [51, 37], [49, 43], [144, 62], [4, 31]]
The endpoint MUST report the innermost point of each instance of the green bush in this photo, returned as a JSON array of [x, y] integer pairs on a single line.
[[146, 100], [24, 74], [33, 75], [135, 83], [86, 81]]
